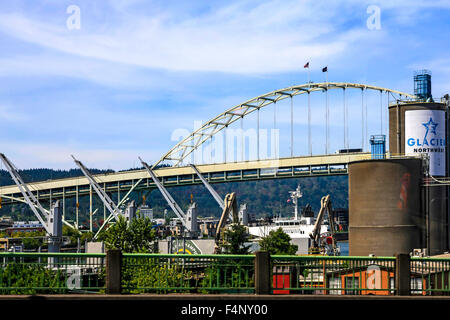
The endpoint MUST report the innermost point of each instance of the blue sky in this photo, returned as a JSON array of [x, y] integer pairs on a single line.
[[136, 71]]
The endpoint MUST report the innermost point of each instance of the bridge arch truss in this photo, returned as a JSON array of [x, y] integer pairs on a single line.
[[195, 139]]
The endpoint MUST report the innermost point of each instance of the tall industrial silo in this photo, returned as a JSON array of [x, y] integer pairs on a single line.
[[420, 128], [391, 210], [384, 207]]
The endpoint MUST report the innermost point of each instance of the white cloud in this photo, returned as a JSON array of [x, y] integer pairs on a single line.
[[266, 37], [100, 72], [244, 37], [7, 114]]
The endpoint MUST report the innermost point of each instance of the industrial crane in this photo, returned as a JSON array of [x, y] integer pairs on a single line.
[[114, 209], [242, 209], [188, 220], [51, 219], [229, 210], [325, 203]]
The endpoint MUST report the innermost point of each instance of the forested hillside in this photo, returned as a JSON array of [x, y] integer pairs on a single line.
[[33, 175]]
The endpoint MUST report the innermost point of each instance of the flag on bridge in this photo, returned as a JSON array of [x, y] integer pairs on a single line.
[[325, 69], [306, 65]]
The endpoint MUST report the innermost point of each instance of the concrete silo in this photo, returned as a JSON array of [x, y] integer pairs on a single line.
[[420, 128], [391, 209], [385, 209]]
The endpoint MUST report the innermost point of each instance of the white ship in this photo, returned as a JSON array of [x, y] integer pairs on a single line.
[[300, 226]]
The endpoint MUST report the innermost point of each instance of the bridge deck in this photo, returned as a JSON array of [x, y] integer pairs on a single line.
[[172, 176]]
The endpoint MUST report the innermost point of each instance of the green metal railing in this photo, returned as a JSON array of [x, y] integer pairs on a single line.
[[333, 275], [32, 273], [64, 273], [170, 273], [430, 276]]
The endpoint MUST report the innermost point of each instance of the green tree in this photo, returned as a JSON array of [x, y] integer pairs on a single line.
[[142, 235], [234, 240], [278, 242], [117, 236], [30, 240], [30, 243], [138, 236], [86, 236], [71, 233]]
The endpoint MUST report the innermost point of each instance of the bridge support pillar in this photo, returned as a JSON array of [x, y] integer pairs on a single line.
[[402, 274], [113, 271], [262, 272]]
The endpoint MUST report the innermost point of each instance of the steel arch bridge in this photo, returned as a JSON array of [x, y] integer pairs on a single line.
[[177, 174], [209, 129]]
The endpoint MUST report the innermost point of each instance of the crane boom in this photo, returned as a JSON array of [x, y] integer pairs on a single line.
[[110, 205], [209, 187], [228, 211], [29, 197], [324, 206], [175, 207], [325, 203]]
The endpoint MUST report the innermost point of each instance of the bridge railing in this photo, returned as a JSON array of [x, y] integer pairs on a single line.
[[54, 273], [430, 276], [65, 273], [171, 273], [333, 275]]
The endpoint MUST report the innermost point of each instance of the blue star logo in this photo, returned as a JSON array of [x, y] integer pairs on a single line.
[[430, 126]]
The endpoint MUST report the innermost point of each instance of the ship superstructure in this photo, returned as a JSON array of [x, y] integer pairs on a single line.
[[298, 226]]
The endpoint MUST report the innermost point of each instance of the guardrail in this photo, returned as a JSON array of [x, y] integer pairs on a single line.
[[114, 272], [430, 276], [333, 275], [171, 273], [31, 273]]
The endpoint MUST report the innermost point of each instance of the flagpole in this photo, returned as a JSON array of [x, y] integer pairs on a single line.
[[328, 118], [308, 77], [309, 115], [309, 124], [309, 111]]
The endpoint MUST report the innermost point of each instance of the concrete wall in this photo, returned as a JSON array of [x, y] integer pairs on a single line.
[[303, 245], [95, 247]]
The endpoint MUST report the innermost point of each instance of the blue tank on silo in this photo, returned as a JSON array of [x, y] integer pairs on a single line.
[[378, 146], [422, 85]]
